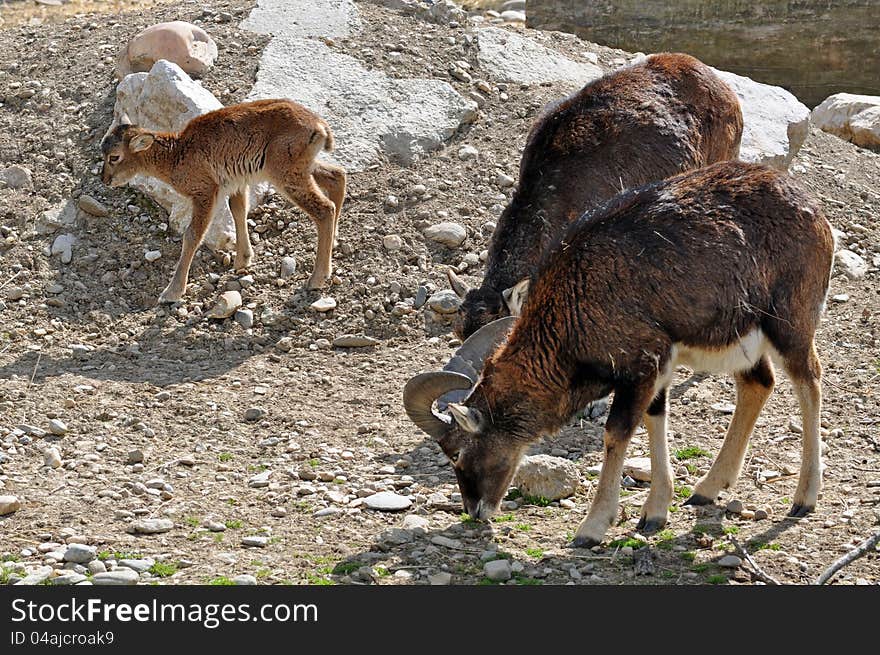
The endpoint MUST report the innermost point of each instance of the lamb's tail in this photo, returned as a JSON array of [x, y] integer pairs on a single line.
[[322, 137]]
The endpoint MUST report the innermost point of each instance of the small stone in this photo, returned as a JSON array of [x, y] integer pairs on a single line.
[[730, 561], [503, 180], [121, 576], [421, 297], [254, 414], [288, 268], [447, 233], [17, 177], [840, 297], [638, 468], [80, 553], [255, 542], [735, 507], [244, 580], [96, 566], [215, 526], [139, 565], [354, 341], [416, 523], [245, 318], [134, 457], [392, 202], [851, 264], [513, 16], [497, 570], [327, 511], [467, 152], [151, 526], [437, 579], [246, 281], [392, 242], [57, 427], [724, 408], [152, 255], [446, 542], [63, 245], [259, 480], [387, 501], [52, 458], [324, 304], [9, 504], [92, 206], [445, 301], [14, 293], [36, 577], [546, 476], [226, 306]]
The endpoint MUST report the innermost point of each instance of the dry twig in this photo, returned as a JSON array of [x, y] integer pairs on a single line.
[[862, 549], [760, 574]]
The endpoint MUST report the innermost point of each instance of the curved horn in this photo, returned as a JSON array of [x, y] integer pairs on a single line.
[[419, 395], [479, 345], [124, 119], [461, 289]]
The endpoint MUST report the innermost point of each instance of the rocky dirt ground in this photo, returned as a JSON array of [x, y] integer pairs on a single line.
[[250, 450]]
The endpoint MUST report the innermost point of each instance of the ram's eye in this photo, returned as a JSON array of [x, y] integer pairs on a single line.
[[114, 159], [454, 456]]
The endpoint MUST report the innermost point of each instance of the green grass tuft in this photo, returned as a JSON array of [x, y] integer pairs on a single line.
[[221, 581], [691, 452], [224, 457], [623, 543], [163, 569], [537, 553]]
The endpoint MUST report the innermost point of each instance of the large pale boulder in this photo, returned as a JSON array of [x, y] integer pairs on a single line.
[[852, 117], [546, 476], [317, 18], [185, 44], [509, 57], [775, 123], [166, 99]]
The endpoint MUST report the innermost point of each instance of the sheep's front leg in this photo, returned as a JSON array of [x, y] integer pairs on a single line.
[[203, 208], [626, 411], [656, 507], [238, 206]]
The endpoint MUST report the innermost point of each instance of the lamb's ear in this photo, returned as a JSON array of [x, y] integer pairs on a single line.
[[140, 142], [471, 420], [515, 297]]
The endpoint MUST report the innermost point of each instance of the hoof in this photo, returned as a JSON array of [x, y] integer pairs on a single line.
[[168, 299], [584, 542], [698, 499], [799, 511], [650, 526]]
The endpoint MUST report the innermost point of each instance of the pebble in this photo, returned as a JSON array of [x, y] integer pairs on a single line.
[[245, 318], [139, 565], [17, 177], [244, 580], [416, 523], [730, 561], [288, 267], [69, 578], [638, 468], [324, 304], [63, 245], [513, 16], [421, 297], [57, 427], [52, 458], [446, 542], [118, 577], [547, 476], [255, 542], [215, 526], [14, 293], [497, 570], [735, 507], [387, 501], [254, 413], [761, 514], [447, 233], [445, 301], [438, 579], [151, 526], [134, 457], [96, 566], [392, 242], [36, 577], [851, 264], [354, 341], [503, 180], [226, 306], [392, 202], [327, 511], [9, 504], [467, 152], [724, 408], [80, 553], [92, 206], [259, 480]]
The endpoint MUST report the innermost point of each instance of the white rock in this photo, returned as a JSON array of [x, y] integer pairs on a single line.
[[546, 476], [503, 180], [392, 242], [775, 123], [244, 580], [497, 570], [61, 215], [57, 427], [513, 16], [121, 576], [438, 579], [638, 468], [387, 501], [184, 44], [510, 57], [151, 526], [52, 458], [166, 99], [444, 301], [449, 234], [9, 504], [317, 18], [63, 245], [152, 255], [255, 541], [288, 267], [467, 152], [36, 577], [80, 553], [730, 561], [852, 265], [17, 177], [354, 341], [324, 304], [92, 206], [852, 117], [228, 302], [415, 522], [139, 565], [68, 578]]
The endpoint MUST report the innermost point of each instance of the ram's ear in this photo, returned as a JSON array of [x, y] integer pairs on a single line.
[[140, 142], [470, 420], [515, 297]]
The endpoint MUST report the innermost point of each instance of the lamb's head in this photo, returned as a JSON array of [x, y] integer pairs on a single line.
[[123, 147], [484, 441]]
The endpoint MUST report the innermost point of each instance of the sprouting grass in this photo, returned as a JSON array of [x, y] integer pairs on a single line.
[[523, 527], [11, 557], [192, 521], [467, 519], [232, 502], [118, 555], [691, 452], [623, 543], [504, 518], [700, 568], [665, 539], [163, 569], [730, 529], [484, 582], [717, 579], [513, 494], [233, 524], [691, 468], [319, 580], [224, 457], [218, 537], [262, 573], [381, 571], [344, 568], [703, 528], [688, 556], [257, 468], [683, 491], [760, 545], [540, 501], [537, 553], [314, 462], [221, 581], [527, 581]]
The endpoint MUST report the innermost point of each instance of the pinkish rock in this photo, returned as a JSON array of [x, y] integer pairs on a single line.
[[182, 43]]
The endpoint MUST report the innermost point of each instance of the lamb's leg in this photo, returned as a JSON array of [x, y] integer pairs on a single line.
[[805, 380], [656, 507], [332, 180], [238, 205], [203, 209], [752, 390], [627, 409], [322, 211]]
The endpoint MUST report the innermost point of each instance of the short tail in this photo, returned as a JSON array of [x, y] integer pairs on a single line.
[[324, 136]]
